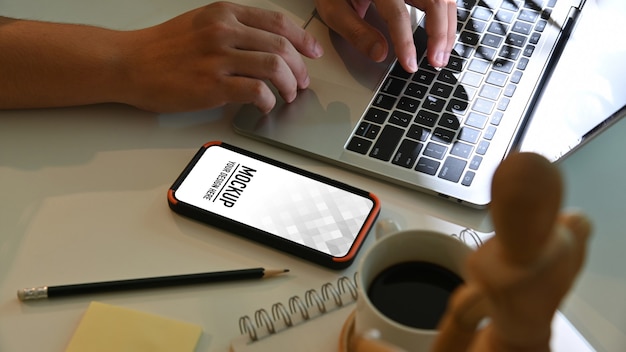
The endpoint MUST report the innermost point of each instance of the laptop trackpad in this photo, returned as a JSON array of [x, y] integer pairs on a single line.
[[321, 118]]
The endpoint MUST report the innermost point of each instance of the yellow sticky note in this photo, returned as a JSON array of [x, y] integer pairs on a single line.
[[107, 328]]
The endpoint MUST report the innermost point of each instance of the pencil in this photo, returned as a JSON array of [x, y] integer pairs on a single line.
[[44, 292]]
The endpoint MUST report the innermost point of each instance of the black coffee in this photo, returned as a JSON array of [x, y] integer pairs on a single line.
[[414, 293]]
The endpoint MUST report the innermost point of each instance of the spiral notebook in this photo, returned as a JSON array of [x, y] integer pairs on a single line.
[[311, 322]]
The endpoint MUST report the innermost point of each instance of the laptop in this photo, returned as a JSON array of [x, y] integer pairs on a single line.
[[445, 132]]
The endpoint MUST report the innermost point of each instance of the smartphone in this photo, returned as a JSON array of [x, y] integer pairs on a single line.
[[290, 209]]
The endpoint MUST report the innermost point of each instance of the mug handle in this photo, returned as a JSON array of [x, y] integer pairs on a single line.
[[385, 227]]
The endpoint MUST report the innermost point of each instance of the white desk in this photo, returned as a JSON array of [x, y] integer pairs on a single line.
[[84, 199]]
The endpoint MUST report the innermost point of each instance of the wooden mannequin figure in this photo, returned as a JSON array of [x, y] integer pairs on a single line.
[[518, 278]]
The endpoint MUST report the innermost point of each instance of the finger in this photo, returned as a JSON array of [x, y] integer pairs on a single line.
[[397, 17], [265, 42], [265, 66], [441, 30], [278, 23], [340, 16], [245, 90]]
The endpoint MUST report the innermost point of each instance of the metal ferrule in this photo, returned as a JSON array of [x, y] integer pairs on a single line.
[[27, 294]]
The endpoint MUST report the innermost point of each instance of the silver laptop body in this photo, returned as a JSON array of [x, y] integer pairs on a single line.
[[447, 145]]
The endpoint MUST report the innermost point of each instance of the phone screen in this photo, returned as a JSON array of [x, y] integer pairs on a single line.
[[275, 200]]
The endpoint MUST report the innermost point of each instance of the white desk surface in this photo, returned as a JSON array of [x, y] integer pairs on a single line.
[[84, 199]]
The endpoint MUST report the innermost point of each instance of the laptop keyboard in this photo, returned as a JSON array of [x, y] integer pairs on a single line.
[[441, 123]]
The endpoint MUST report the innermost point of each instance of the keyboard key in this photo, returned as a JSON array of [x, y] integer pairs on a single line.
[[486, 53], [491, 40], [462, 150], [472, 79], [475, 163], [481, 13], [482, 148], [362, 129], [384, 101], [427, 166], [408, 104], [496, 78], [463, 50], [483, 106], [372, 131], [455, 64], [503, 65], [433, 103], [447, 76], [416, 90], [498, 28], [528, 15], [424, 77], [386, 144], [469, 135], [529, 50], [503, 104], [496, 118], [456, 106], [426, 118], [452, 169], [489, 132], [440, 89], [509, 90], [359, 145], [400, 118], [376, 115], [476, 120], [479, 66], [435, 150], [506, 16], [490, 92], [476, 26], [443, 135], [418, 132], [393, 86], [522, 27], [468, 178], [407, 153], [449, 121], [534, 38], [517, 40], [509, 52], [469, 38]]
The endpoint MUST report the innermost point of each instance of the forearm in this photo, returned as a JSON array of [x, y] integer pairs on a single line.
[[49, 64]]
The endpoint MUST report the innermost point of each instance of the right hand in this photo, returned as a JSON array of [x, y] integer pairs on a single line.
[[218, 54], [346, 17]]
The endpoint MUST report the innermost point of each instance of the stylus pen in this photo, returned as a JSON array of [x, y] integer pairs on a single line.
[[42, 292]]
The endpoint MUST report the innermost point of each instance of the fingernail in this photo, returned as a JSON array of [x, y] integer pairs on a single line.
[[440, 57], [318, 51], [412, 64], [377, 52]]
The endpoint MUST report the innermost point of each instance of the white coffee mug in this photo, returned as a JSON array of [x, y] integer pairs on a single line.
[[397, 247]]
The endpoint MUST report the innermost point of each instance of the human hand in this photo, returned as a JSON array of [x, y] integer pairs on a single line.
[[218, 54], [518, 278], [346, 18]]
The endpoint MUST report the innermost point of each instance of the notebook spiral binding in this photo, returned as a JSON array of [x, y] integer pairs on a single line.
[[330, 296]]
